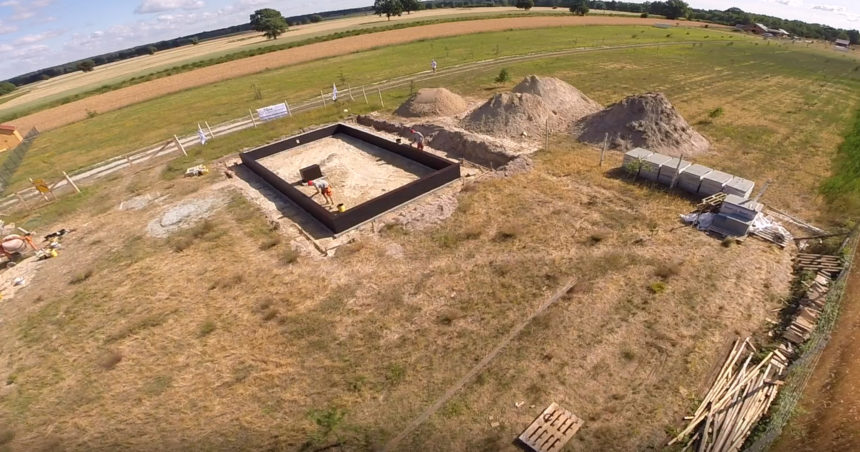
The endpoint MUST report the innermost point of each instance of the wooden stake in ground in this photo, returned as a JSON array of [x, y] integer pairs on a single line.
[[128, 160], [546, 135], [603, 151], [211, 135], [289, 111], [349, 90], [322, 96], [677, 172], [251, 114], [365, 95], [71, 182], [21, 200], [181, 147], [380, 97]]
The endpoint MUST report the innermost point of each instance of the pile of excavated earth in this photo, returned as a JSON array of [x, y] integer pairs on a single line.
[[508, 125], [646, 120]]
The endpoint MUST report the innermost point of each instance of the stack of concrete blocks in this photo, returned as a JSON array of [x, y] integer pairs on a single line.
[[651, 166], [633, 159], [740, 187], [735, 216], [671, 168], [714, 182], [691, 178]]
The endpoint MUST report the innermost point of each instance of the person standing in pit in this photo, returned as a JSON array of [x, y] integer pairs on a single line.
[[418, 139]]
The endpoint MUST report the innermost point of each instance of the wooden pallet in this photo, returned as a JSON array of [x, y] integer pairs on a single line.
[[551, 430], [711, 203], [774, 237]]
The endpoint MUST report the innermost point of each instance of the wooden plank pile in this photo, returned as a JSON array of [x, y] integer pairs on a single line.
[[738, 398], [771, 236], [809, 309], [818, 262]]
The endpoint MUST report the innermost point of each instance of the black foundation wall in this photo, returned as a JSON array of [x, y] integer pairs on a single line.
[[445, 172]]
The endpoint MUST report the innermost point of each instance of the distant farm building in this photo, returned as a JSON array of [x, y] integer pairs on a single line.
[[842, 43], [758, 29], [9, 137]]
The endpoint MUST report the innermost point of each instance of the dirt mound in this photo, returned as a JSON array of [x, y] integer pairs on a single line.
[[647, 120], [514, 115], [432, 102], [562, 97]]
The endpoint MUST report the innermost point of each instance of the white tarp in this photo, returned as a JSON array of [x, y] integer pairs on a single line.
[[767, 224], [272, 112]]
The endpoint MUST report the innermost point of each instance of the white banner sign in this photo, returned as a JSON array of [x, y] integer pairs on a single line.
[[272, 111]]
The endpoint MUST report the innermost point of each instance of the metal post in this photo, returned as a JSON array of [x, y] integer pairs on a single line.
[[546, 134], [603, 151], [210, 129], [365, 94], [69, 179], [322, 96], [380, 97], [251, 114], [181, 147]]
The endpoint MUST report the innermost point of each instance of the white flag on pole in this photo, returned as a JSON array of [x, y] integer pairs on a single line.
[[200, 134], [333, 92]]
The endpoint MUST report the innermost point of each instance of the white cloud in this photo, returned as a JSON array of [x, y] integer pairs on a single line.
[[157, 6], [4, 28], [31, 52], [32, 39], [831, 8], [26, 10], [243, 3], [11, 3]]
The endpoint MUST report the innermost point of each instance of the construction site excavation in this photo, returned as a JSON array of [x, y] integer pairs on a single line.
[[369, 174]]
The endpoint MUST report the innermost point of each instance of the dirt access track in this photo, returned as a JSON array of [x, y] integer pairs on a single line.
[[829, 410], [76, 111]]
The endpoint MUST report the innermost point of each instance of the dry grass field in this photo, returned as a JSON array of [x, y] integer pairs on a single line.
[[221, 337]]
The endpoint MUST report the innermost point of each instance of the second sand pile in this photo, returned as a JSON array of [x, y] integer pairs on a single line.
[[432, 102]]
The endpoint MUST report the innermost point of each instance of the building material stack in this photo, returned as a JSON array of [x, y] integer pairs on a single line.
[[633, 159], [691, 178], [651, 166], [714, 182], [735, 216], [809, 309], [670, 170], [739, 186]]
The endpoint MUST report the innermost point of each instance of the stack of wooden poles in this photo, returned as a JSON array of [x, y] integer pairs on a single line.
[[740, 395]]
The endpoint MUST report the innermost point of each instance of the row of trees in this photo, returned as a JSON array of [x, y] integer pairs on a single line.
[[390, 8]]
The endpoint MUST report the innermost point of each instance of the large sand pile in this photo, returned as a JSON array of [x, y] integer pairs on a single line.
[[536, 102], [432, 102], [567, 101], [513, 115], [647, 120]]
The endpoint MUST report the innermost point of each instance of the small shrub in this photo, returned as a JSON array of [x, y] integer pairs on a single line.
[[668, 35], [327, 420], [289, 256], [269, 243], [628, 354], [665, 271], [109, 359], [395, 374], [92, 114], [729, 241], [644, 15], [657, 287], [206, 328], [597, 237], [269, 315], [716, 113], [81, 277], [504, 76], [507, 233]]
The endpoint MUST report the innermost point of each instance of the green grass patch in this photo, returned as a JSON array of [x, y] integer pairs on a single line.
[[842, 188]]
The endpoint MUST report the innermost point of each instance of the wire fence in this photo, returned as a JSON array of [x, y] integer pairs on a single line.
[[801, 370], [15, 157]]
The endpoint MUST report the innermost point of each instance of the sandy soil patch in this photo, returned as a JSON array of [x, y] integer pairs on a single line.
[[357, 171], [76, 111]]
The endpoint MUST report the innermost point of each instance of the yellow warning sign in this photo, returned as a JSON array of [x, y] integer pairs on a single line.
[[41, 186]]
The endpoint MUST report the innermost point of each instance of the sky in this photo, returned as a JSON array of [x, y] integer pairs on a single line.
[[36, 34]]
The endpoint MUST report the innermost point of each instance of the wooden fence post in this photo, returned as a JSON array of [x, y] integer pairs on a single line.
[[289, 110], [181, 147], [349, 88], [69, 179], [603, 151], [251, 114], [378, 90], [212, 135], [322, 96], [21, 200], [365, 94]]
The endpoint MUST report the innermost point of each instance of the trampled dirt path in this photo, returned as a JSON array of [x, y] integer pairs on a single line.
[[829, 410], [76, 111]]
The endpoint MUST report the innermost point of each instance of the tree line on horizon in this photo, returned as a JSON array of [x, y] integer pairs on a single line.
[[270, 24]]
